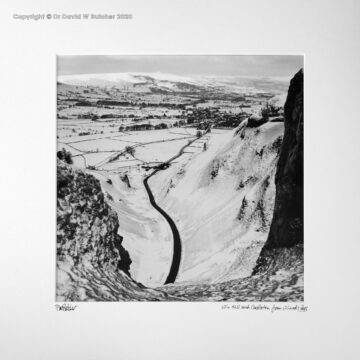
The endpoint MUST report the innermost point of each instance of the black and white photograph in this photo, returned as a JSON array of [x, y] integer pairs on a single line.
[[180, 178]]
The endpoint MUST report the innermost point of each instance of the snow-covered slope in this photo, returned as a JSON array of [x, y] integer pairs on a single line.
[[92, 263], [131, 81], [222, 201], [147, 82], [146, 234]]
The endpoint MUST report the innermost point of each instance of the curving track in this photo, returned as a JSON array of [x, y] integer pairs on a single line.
[[175, 265]]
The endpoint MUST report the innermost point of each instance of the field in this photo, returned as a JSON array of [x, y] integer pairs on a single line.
[[98, 149]]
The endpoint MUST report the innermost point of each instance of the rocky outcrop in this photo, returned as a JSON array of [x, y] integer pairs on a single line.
[[286, 230], [92, 264], [283, 285], [256, 121], [87, 228]]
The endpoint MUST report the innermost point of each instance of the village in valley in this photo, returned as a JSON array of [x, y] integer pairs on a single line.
[[98, 119]]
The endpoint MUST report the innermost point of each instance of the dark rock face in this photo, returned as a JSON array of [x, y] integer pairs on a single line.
[[87, 228], [286, 229], [254, 121]]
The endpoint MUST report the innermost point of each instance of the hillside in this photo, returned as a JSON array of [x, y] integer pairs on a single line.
[[169, 83], [279, 271], [222, 199], [92, 264]]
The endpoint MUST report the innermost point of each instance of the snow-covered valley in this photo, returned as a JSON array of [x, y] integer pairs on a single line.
[[222, 200], [214, 178]]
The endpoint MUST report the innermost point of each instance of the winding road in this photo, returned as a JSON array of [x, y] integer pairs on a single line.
[[175, 265]]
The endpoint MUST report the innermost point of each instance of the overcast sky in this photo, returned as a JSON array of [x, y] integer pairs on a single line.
[[244, 65]]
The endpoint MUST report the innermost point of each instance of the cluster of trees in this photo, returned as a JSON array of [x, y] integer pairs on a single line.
[[161, 126], [164, 104], [84, 133], [112, 116], [85, 116], [114, 103], [150, 117], [136, 127], [84, 103], [65, 156], [270, 110], [180, 123], [139, 127], [130, 150], [198, 115], [231, 121], [222, 119]]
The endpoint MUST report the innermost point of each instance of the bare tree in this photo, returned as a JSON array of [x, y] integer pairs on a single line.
[[130, 150]]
